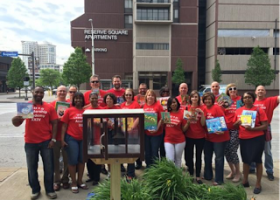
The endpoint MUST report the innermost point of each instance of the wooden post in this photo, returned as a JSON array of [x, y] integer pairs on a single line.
[[115, 193]]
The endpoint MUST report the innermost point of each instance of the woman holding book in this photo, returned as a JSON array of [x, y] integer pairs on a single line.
[[215, 142], [251, 137], [195, 135], [72, 140], [174, 140], [233, 144], [153, 133]]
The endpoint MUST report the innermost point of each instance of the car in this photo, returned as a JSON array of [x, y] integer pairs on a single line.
[[24, 88], [207, 88], [54, 91]]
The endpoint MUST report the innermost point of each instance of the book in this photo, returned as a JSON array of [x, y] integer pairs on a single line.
[[216, 124], [225, 100], [165, 116], [141, 100], [163, 102], [185, 100], [120, 100], [95, 91], [130, 122], [246, 120], [60, 107], [189, 114], [239, 104], [25, 110], [253, 114], [150, 121]]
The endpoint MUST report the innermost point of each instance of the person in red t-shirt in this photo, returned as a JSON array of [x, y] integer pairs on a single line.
[[215, 142], [117, 90], [61, 96], [153, 137], [40, 134], [72, 140], [251, 139], [232, 146], [215, 89], [183, 97], [174, 139], [195, 135]]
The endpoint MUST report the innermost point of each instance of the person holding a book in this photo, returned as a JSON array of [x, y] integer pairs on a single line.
[[232, 146], [60, 104], [94, 84], [183, 97], [195, 134], [251, 137], [40, 137], [174, 140], [72, 140], [215, 142], [117, 90], [153, 128]]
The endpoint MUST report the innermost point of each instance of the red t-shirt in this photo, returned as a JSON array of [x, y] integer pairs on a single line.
[[118, 93], [100, 97], [39, 129], [213, 112], [140, 99], [133, 105], [96, 128], [59, 124], [261, 117], [196, 130], [230, 112], [155, 108], [74, 118], [268, 105], [182, 106], [173, 132], [216, 98]]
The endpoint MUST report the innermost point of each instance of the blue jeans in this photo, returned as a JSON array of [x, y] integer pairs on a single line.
[[74, 150], [219, 149], [131, 170], [32, 157], [152, 144]]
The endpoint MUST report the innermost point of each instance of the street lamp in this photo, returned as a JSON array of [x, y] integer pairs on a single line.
[[92, 47]]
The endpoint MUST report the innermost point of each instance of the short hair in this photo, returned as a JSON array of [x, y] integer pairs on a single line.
[[116, 76], [94, 76], [169, 102], [131, 90], [208, 94], [194, 92], [249, 93], [163, 89], [78, 94], [152, 92], [229, 86], [93, 94], [143, 84], [74, 86], [37, 86], [112, 96], [62, 86]]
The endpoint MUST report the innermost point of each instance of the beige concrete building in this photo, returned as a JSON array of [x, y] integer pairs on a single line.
[[233, 28]]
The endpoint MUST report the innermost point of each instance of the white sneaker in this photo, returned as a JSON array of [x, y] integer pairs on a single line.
[[52, 195], [35, 196], [108, 176]]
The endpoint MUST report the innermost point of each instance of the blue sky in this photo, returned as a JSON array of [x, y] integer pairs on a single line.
[[38, 20]]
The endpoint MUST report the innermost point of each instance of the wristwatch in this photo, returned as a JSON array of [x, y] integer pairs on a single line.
[[54, 140]]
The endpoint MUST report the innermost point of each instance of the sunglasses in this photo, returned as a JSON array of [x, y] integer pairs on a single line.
[[247, 97], [72, 92], [94, 81], [129, 95], [165, 91], [232, 88]]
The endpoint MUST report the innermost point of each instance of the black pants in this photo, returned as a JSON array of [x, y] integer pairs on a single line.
[[199, 145], [161, 148], [93, 170]]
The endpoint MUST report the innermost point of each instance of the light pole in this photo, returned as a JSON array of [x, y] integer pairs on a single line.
[[92, 47]]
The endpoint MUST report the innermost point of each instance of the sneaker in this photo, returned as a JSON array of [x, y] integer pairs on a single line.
[[35, 195], [52, 195], [104, 171], [122, 169], [138, 166], [270, 177]]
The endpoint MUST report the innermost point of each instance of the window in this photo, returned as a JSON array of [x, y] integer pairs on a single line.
[[128, 21], [238, 51], [152, 14], [152, 46], [176, 15], [128, 6], [276, 33], [243, 33], [276, 51], [154, 80]]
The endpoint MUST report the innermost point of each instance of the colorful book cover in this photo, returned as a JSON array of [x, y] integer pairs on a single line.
[[253, 114], [96, 91], [239, 104], [25, 110], [120, 100], [225, 100], [189, 114], [130, 122], [185, 100], [60, 107], [163, 102], [246, 120], [165, 116], [141, 100], [150, 121], [216, 124]]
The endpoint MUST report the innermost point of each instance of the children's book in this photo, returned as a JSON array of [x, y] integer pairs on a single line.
[[239, 104], [96, 91], [253, 114], [225, 100], [120, 100], [150, 121], [60, 107], [163, 102], [216, 124], [25, 110], [130, 122], [165, 116], [246, 120], [189, 114], [141, 100]]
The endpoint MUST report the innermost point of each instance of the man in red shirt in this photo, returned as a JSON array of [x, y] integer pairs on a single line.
[[268, 104], [40, 134], [140, 98], [117, 90], [215, 87], [95, 84], [183, 97]]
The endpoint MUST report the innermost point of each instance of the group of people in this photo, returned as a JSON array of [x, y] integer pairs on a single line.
[[52, 135]]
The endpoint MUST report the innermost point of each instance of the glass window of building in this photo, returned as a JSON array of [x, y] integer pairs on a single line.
[[243, 33], [154, 80], [128, 21], [152, 46]]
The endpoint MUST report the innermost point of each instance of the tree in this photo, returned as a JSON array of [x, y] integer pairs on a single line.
[[16, 74], [259, 70], [179, 74], [217, 73], [49, 77], [76, 70]]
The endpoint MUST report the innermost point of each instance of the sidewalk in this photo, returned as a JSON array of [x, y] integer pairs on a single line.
[[12, 97], [14, 185]]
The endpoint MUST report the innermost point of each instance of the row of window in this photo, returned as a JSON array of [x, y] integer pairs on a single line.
[[154, 1], [152, 46], [254, 33], [238, 51], [153, 14]]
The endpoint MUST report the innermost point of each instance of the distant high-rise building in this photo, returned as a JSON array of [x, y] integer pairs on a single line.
[[47, 53]]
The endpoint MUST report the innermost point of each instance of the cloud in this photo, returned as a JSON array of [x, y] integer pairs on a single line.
[[39, 20]]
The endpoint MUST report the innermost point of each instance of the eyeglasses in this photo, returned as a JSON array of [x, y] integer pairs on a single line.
[[232, 88], [94, 81], [247, 97], [129, 95], [165, 91], [72, 92]]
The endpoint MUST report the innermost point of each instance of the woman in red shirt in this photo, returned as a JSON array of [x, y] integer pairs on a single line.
[[215, 142], [195, 135], [72, 140], [252, 139], [153, 138]]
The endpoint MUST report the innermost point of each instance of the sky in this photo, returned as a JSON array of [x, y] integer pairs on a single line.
[[38, 20]]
